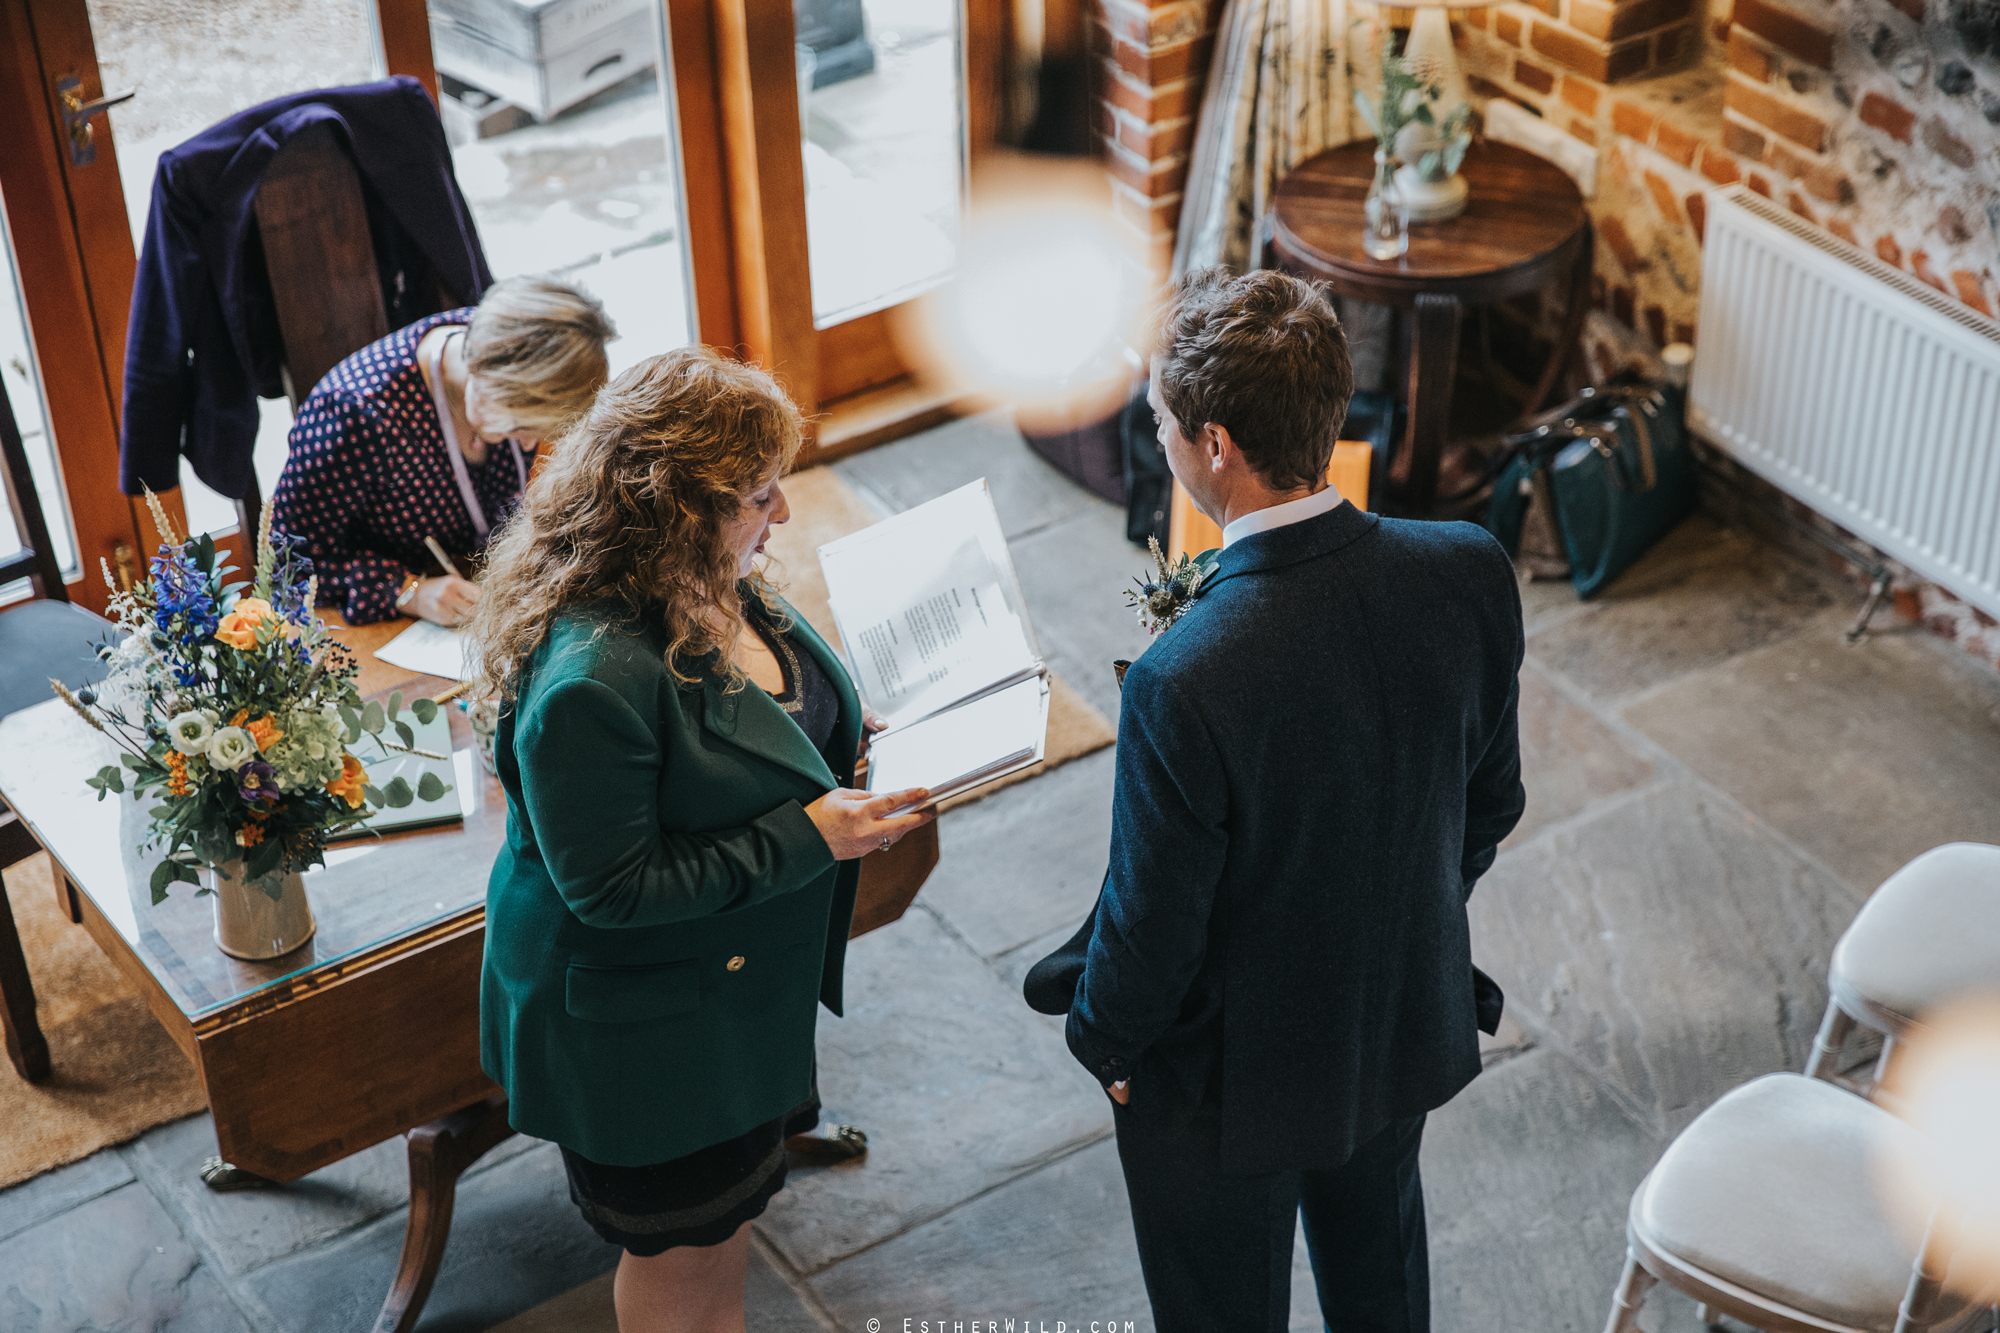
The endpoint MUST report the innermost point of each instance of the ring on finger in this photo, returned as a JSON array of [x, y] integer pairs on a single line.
[[886, 840]]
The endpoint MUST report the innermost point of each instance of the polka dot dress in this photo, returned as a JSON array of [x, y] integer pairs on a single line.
[[368, 478]]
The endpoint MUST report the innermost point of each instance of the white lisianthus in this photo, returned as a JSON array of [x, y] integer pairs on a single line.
[[230, 749], [191, 732]]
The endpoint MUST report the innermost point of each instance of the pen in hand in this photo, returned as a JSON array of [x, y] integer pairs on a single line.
[[442, 558]]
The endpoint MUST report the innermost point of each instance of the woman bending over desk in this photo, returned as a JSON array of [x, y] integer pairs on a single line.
[[429, 433], [672, 904]]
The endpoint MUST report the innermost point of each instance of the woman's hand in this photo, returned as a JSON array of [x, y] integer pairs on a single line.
[[854, 823], [444, 600], [871, 722]]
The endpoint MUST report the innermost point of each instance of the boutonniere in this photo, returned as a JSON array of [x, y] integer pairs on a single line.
[[1163, 599]]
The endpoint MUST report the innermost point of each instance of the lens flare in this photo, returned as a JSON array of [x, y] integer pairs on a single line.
[[1047, 299], [1946, 1084]]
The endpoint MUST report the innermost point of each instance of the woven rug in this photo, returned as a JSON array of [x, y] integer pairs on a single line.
[[116, 1073], [824, 508]]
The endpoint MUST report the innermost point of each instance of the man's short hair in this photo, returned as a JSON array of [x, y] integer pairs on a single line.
[[1264, 357]]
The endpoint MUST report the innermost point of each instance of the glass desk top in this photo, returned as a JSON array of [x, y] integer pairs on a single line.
[[370, 892]]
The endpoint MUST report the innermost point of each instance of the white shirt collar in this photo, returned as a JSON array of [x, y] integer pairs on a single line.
[[1281, 515]]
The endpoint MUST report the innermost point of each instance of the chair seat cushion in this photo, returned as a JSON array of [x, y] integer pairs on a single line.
[[1772, 1189], [1931, 932], [41, 639]]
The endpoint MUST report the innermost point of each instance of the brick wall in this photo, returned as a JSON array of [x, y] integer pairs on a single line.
[[1871, 118], [1878, 120], [1150, 62]]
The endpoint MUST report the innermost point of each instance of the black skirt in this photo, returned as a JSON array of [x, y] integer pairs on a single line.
[[700, 1199]]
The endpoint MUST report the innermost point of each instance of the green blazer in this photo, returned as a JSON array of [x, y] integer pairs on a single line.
[[664, 919]]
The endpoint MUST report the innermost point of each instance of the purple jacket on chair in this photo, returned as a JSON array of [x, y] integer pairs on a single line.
[[203, 344]]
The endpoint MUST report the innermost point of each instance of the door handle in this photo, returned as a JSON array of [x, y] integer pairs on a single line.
[[77, 115]]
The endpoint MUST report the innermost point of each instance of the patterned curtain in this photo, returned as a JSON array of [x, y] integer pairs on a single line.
[[1278, 91]]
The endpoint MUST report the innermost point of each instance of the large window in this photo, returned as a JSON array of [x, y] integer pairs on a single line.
[[561, 121], [192, 66], [880, 85]]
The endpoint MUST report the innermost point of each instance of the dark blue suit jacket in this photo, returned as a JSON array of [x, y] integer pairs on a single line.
[[203, 342], [1314, 767]]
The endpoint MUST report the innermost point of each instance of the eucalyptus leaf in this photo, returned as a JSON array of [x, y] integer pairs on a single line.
[[132, 761], [352, 721], [372, 719], [395, 704], [425, 709], [163, 874], [204, 554], [409, 738], [262, 859], [1454, 153], [430, 787], [1427, 165], [1422, 115], [398, 794], [1367, 110], [374, 795]]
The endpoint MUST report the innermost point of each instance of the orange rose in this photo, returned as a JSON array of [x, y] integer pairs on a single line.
[[264, 731], [348, 785], [239, 628]]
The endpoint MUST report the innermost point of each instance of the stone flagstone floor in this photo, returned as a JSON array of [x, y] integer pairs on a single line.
[[1715, 784]]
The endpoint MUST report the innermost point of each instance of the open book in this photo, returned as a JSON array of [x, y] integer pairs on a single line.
[[936, 633]]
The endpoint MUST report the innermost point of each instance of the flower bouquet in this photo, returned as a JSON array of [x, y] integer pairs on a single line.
[[236, 709], [1165, 598]]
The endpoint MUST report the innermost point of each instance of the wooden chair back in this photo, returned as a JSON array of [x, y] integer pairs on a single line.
[[37, 558], [39, 640], [325, 282]]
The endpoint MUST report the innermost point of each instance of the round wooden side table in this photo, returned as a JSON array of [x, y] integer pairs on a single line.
[[1523, 228]]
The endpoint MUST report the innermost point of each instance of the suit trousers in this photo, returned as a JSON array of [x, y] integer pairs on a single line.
[[1216, 1249]]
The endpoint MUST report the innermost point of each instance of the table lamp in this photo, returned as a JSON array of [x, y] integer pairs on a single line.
[[1433, 59]]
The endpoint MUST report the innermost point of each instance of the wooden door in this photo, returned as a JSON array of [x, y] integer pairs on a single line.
[[59, 214]]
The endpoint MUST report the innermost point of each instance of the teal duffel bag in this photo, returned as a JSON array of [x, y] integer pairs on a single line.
[[1620, 471]]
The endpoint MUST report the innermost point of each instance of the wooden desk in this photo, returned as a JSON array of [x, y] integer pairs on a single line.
[[1524, 227], [368, 1030]]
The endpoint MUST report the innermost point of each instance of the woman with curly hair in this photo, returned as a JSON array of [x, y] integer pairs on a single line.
[[673, 900]]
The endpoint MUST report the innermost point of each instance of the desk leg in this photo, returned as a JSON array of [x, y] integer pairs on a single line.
[[26, 1046], [1432, 358], [439, 1153]]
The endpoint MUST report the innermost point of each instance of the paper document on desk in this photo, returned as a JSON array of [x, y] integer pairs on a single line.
[[932, 619], [433, 650]]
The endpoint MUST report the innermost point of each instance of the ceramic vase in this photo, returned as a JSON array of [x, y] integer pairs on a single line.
[[257, 919]]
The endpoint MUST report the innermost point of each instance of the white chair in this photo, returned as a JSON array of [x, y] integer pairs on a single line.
[[1765, 1210], [1930, 933]]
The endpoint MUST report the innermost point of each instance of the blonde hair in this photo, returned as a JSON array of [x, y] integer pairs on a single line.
[[631, 508], [537, 346]]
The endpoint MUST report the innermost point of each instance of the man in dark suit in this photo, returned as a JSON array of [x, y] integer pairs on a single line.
[[1315, 764]]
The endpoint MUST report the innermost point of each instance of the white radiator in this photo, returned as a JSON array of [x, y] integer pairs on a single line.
[[1864, 393]]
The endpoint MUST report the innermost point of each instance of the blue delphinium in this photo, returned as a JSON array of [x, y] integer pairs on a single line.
[[181, 591], [184, 608], [291, 576]]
